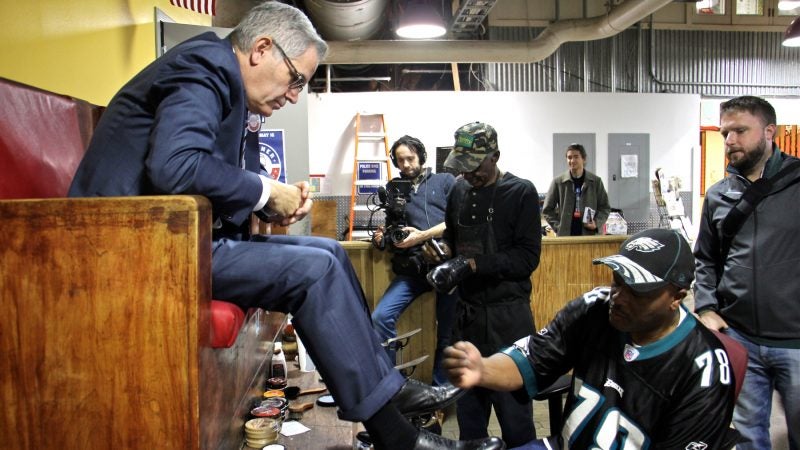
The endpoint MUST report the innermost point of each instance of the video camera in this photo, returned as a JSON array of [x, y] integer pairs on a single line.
[[392, 200]]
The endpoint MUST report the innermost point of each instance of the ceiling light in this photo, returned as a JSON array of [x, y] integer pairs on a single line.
[[792, 36], [788, 5], [420, 20]]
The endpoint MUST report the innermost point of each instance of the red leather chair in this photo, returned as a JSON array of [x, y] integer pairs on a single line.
[[43, 137], [737, 355]]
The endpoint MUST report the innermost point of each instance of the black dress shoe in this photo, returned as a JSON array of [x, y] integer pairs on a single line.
[[416, 398], [430, 441]]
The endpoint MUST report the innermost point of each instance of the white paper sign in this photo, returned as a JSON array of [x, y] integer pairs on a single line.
[[630, 166]]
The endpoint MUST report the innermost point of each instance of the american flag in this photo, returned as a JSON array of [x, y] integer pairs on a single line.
[[201, 6]]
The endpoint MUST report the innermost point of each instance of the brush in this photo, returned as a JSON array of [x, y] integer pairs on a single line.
[[296, 410]]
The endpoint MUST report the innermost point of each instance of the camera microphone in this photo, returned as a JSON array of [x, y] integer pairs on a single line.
[[382, 194]]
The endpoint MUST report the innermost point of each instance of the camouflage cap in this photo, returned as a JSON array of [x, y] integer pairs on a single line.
[[474, 142]]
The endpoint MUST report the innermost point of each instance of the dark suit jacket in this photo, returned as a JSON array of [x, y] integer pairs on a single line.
[[176, 128]]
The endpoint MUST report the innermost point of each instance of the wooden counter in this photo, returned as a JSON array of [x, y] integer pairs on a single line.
[[374, 270], [565, 271]]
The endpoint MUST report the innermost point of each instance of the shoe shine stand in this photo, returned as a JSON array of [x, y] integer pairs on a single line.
[[397, 344], [407, 369]]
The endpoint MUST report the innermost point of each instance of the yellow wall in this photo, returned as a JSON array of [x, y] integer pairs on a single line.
[[715, 158], [87, 49]]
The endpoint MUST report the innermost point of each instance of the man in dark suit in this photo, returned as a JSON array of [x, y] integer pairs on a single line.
[[187, 124]]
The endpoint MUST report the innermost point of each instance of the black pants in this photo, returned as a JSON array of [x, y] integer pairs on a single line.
[[514, 412]]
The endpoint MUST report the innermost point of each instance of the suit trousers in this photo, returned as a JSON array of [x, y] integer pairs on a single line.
[[313, 279]]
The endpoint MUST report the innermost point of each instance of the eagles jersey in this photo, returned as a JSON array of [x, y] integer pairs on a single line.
[[675, 393]]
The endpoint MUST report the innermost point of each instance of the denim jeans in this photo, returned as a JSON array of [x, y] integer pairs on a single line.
[[768, 369], [400, 293]]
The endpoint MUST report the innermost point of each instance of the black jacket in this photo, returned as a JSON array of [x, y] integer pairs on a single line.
[[757, 288]]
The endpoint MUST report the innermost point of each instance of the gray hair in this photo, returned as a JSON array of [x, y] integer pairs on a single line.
[[285, 24]]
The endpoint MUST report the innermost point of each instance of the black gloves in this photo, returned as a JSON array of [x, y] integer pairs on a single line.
[[446, 276]]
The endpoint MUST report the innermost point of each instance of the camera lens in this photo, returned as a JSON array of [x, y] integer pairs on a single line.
[[397, 235]]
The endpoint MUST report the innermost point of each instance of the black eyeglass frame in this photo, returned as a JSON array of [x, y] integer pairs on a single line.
[[299, 81]]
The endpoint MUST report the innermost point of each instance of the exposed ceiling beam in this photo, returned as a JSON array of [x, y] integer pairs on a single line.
[[618, 19]]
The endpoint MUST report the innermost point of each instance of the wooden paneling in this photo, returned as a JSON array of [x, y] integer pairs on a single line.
[[233, 379], [374, 271], [104, 331], [786, 137], [323, 218], [565, 271]]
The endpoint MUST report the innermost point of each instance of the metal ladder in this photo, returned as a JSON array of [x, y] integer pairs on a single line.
[[370, 170]]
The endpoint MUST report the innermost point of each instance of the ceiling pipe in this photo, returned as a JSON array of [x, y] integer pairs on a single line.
[[616, 20]]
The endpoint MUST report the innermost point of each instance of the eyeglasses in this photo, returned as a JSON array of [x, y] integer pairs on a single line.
[[299, 81]]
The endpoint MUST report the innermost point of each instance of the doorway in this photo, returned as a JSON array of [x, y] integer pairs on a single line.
[[628, 174]]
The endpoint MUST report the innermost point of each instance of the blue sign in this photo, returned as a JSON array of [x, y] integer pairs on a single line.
[[369, 171], [271, 154]]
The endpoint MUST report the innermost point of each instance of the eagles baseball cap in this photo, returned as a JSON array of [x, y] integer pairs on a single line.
[[652, 259], [474, 141]]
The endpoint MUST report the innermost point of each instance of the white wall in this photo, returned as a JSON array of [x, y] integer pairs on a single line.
[[294, 121], [525, 123], [787, 110]]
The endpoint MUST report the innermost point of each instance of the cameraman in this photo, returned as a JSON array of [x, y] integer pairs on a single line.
[[422, 219]]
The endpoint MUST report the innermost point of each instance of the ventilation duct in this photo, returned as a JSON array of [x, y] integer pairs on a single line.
[[347, 20], [616, 20], [348, 26]]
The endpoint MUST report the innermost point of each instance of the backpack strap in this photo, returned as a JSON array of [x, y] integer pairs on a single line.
[[735, 218]]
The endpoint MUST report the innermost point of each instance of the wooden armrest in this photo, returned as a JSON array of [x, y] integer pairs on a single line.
[[104, 311]]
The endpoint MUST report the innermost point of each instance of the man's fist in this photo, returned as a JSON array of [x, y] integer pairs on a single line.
[[446, 276], [285, 199]]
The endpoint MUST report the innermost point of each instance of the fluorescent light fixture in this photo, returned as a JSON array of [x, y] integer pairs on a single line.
[[788, 5], [792, 36], [420, 20]]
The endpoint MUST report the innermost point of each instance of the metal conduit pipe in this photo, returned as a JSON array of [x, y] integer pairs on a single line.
[[405, 71], [441, 51], [658, 80]]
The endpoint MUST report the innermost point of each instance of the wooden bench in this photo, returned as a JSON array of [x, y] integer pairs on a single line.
[[106, 317]]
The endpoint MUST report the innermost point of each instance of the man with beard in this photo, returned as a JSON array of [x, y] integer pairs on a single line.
[[747, 266], [423, 216]]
